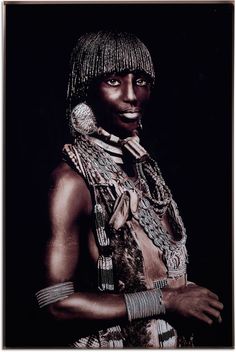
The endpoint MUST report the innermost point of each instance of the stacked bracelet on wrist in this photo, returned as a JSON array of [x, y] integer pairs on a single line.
[[144, 304], [54, 293]]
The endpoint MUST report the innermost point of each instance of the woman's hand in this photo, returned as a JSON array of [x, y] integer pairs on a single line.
[[193, 301]]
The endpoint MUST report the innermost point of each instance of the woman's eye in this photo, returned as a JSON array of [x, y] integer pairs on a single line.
[[141, 82], [113, 82]]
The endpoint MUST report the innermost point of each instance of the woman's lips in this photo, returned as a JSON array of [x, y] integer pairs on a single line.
[[130, 115]]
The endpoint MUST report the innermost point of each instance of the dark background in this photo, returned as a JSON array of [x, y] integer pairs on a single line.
[[188, 128]]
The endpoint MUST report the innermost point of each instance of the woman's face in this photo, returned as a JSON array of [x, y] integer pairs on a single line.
[[119, 101]]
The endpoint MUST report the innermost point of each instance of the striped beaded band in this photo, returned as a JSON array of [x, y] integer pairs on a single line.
[[54, 293], [144, 304], [161, 283]]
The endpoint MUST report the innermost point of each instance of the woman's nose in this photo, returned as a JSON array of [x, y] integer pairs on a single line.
[[129, 94]]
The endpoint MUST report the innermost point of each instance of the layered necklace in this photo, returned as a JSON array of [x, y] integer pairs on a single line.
[[115, 152], [155, 198], [149, 178]]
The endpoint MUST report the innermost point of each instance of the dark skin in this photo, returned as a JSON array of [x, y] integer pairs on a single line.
[[123, 99]]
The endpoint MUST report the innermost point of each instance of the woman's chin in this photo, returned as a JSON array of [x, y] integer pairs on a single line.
[[123, 130], [127, 132]]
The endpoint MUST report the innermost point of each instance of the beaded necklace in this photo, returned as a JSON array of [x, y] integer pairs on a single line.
[[145, 172], [115, 152], [150, 210]]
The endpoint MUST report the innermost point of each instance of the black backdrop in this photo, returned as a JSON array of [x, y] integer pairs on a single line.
[[188, 129]]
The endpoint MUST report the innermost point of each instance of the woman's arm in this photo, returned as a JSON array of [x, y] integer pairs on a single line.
[[70, 209]]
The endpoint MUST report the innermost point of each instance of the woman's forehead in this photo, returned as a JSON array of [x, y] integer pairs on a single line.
[[124, 73]]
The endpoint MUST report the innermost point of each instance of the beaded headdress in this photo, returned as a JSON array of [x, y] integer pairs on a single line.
[[101, 53]]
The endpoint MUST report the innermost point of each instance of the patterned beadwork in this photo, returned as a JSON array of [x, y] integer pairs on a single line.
[[174, 252]]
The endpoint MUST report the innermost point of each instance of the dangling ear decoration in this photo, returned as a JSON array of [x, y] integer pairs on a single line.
[[83, 119]]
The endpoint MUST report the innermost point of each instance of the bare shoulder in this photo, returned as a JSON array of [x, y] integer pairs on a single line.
[[63, 172], [69, 187]]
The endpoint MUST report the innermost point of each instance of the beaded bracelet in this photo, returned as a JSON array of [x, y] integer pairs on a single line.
[[144, 304], [54, 293]]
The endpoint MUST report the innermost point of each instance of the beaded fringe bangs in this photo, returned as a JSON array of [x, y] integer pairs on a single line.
[[102, 53]]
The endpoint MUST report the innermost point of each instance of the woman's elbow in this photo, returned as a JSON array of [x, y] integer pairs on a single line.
[[59, 310]]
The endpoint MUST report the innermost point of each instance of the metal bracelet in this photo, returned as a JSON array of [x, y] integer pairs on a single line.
[[144, 304], [54, 293]]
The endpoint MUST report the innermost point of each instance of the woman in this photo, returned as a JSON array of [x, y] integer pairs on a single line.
[[116, 260]]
